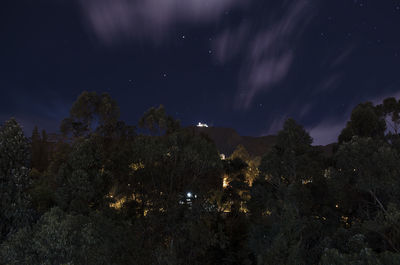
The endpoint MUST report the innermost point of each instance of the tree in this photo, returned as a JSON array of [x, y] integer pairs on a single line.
[[82, 181], [36, 148], [40, 152], [169, 181], [366, 183], [363, 256], [156, 120], [390, 109], [61, 238], [288, 201], [252, 163], [89, 110], [165, 168], [292, 159], [366, 121], [369, 166], [44, 161], [15, 209]]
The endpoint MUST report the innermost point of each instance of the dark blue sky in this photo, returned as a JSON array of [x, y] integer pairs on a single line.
[[244, 64]]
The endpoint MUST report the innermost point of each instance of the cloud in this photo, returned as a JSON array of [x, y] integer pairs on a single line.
[[329, 83], [326, 132], [230, 42], [343, 56], [268, 52], [275, 126], [113, 20], [305, 109]]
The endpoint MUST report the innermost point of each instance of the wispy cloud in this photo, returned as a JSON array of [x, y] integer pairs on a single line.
[[305, 109], [335, 75], [230, 42], [269, 51], [327, 132], [329, 83], [343, 56], [275, 126], [113, 20]]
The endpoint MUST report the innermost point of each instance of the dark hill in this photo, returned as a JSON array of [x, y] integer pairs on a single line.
[[227, 139]]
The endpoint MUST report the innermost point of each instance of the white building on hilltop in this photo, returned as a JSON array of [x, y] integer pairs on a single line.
[[202, 125]]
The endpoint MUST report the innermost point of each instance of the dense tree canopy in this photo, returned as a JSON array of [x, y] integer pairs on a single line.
[[366, 121], [89, 110], [104, 193], [15, 180]]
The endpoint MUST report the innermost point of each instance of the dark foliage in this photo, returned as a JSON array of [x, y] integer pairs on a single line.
[[103, 194]]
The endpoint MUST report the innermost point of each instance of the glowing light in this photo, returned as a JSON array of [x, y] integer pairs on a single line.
[[136, 166], [189, 195], [306, 181], [202, 125], [267, 213], [225, 182], [118, 204]]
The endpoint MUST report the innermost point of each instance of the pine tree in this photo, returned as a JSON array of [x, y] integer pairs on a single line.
[[44, 152], [14, 179], [36, 148]]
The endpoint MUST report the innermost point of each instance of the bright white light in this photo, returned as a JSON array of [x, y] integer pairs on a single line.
[[202, 125], [189, 195]]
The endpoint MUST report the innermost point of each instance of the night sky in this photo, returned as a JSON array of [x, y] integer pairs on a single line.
[[243, 64]]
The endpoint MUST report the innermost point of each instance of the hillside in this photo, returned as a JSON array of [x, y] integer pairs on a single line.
[[227, 139]]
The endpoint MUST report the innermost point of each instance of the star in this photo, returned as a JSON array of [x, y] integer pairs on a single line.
[[209, 51], [183, 37], [165, 74]]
